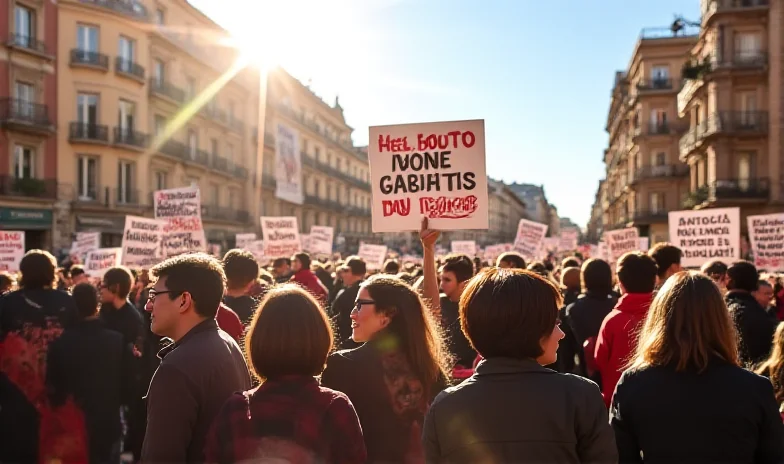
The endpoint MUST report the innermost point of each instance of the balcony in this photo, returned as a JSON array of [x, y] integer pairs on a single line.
[[235, 124], [28, 44], [88, 59], [25, 116], [127, 198], [644, 216], [739, 123], [43, 189], [240, 172], [214, 113], [130, 69], [715, 8], [93, 196], [268, 181], [86, 132], [659, 128], [745, 60], [197, 156], [656, 33], [174, 149], [220, 163], [128, 8], [167, 91], [740, 189], [308, 160], [128, 137], [655, 85]]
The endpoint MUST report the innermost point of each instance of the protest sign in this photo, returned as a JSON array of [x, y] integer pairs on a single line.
[[529, 238], [257, 248], [101, 260], [706, 234], [373, 255], [645, 244], [435, 170], [85, 241], [181, 209], [288, 165], [568, 239], [466, 247], [766, 234], [281, 237], [141, 242], [621, 241], [12, 249], [321, 239], [603, 252], [492, 252], [241, 240]]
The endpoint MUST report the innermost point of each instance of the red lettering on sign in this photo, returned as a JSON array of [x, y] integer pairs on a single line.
[[387, 143], [400, 207], [448, 208]]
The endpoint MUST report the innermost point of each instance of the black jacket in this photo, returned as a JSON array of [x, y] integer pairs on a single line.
[[755, 328], [514, 410], [456, 341], [725, 414], [584, 317], [341, 315]]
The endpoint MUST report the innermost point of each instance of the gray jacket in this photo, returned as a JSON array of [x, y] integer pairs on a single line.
[[196, 376], [518, 411]]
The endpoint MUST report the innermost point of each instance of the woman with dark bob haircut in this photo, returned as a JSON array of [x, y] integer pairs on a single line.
[[512, 409], [289, 417], [685, 397]]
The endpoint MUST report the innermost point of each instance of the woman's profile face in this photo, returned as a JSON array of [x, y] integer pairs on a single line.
[[550, 346], [365, 321]]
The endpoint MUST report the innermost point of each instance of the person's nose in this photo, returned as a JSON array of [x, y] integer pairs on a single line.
[[148, 306]]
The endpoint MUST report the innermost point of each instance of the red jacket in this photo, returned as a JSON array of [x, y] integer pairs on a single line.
[[618, 339], [229, 322], [308, 280]]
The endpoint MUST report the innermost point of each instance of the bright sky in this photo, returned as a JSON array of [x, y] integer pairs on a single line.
[[538, 71]]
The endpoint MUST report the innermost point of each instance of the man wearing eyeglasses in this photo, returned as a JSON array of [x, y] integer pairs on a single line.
[[200, 369]]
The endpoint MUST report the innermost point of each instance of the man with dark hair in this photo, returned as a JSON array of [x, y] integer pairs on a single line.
[[200, 369], [391, 267], [90, 365], [764, 296], [78, 275], [668, 260], [511, 260], [617, 339], [717, 271], [570, 261], [352, 272], [456, 271], [281, 267], [306, 278], [242, 272], [31, 318], [755, 328]]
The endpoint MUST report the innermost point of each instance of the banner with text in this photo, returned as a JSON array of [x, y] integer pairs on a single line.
[[12, 249], [85, 242], [766, 234], [181, 209], [530, 238], [569, 239], [288, 165], [466, 247], [241, 241], [141, 242], [432, 169], [321, 238], [620, 242], [706, 234], [373, 255], [101, 260], [281, 237]]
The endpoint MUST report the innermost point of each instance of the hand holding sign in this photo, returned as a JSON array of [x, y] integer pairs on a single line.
[[429, 237]]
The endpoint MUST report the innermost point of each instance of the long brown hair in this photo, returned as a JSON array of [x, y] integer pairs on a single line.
[[416, 332], [773, 367], [687, 325]]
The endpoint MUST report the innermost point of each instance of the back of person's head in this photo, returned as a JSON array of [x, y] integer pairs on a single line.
[[508, 312], [716, 269], [412, 325], [687, 324], [289, 335], [570, 278], [38, 270], [76, 270], [304, 260], [596, 277], [637, 272], [241, 269], [460, 265], [85, 297], [666, 255], [266, 277], [281, 262], [391, 267], [119, 281], [570, 261], [539, 268], [198, 274], [7, 282], [511, 260], [742, 275]]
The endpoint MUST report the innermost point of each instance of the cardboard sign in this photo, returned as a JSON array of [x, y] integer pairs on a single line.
[[281, 237], [101, 260], [85, 242], [241, 241], [141, 242], [705, 235], [288, 165], [766, 234], [622, 241], [12, 249], [181, 209], [432, 169], [465, 247], [529, 238], [321, 238], [373, 255]]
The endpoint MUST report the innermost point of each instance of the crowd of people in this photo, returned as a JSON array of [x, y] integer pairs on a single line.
[[454, 360]]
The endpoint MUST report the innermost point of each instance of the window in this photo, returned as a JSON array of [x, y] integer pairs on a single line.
[[87, 108], [747, 46], [340, 164], [160, 180], [316, 187], [230, 152], [87, 40], [658, 120], [24, 22], [748, 108], [316, 153], [214, 147], [158, 72], [660, 75], [88, 178], [329, 191], [232, 199], [657, 202], [329, 159], [193, 143], [25, 95], [126, 51], [24, 162], [160, 124], [744, 171], [125, 182], [160, 17], [214, 194], [125, 116], [190, 88]]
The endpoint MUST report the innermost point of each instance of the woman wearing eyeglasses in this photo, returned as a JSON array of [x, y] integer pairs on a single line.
[[393, 377]]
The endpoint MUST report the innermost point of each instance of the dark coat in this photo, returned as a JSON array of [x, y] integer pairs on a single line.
[[341, 315], [725, 414], [514, 410], [755, 328]]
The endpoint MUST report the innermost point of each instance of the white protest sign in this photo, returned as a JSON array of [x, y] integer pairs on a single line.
[[257, 248], [529, 238], [603, 252], [181, 209], [568, 239], [241, 240], [141, 242], [621, 241], [766, 234], [101, 260], [492, 252], [85, 241], [435, 170], [321, 238], [466, 247], [645, 243], [706, 234], [288, 165], [373, 255], [12, 249], [281, 237]]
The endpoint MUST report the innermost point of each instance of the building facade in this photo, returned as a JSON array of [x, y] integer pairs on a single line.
[[595, 227], [535, 200], [644, 177], [506, 210], [28, 114], [732, 102]]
